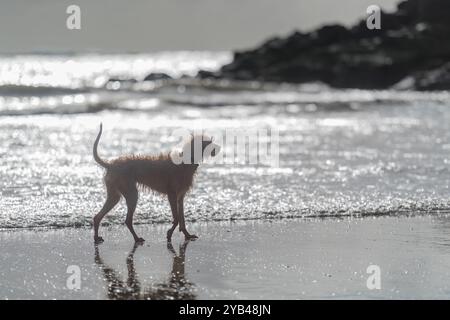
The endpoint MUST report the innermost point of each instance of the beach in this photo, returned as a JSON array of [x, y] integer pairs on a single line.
[[360, 188], [305, 144], [266, 259]]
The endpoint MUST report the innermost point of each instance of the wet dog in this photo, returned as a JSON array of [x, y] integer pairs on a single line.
[[171, 174]]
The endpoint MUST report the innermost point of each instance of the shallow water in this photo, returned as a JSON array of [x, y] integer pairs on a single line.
[[285, 259], [342, 152]]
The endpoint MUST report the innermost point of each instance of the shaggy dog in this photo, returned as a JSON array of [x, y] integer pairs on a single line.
[[171, 174]]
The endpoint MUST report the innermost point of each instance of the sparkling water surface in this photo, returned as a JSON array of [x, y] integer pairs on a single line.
[[342, 152]]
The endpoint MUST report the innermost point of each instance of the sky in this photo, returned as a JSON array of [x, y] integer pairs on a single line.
[[157, 25]]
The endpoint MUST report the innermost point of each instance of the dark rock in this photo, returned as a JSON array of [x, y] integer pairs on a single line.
[[331, 34], [433, 11], [157, 76], [122, 80], [412, 40], [435, 79], [409, 9], [202, 74]]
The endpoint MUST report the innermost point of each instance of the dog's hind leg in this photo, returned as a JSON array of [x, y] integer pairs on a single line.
[[174, 207], [112, 198], [131, 196], [182, 221]]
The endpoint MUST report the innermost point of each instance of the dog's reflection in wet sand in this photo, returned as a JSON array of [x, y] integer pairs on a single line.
[[175, 288]]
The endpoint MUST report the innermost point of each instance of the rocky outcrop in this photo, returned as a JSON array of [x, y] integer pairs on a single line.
[[435, 79], [157, 76], [412, 43]]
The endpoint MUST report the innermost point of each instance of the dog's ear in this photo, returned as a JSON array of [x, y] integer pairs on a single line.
[[176, 156]]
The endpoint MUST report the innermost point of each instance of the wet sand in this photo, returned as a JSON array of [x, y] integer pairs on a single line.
[[279, 259]]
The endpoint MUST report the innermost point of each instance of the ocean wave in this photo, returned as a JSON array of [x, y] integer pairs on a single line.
[[59, 110], [94, 70], [38, 91], [73, 103], [389, 160], [218, 216], [191, 92]]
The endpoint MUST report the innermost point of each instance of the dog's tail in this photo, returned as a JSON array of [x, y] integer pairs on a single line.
[[101, 162]]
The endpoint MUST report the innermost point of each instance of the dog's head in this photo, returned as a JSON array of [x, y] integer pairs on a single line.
[[199, 148]]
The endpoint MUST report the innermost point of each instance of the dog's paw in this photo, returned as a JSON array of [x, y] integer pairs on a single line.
[[98, 240], [191, 237], [139, 240]]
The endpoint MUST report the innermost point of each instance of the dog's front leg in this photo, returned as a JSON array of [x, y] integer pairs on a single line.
[[174, 207], [182, 221]]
